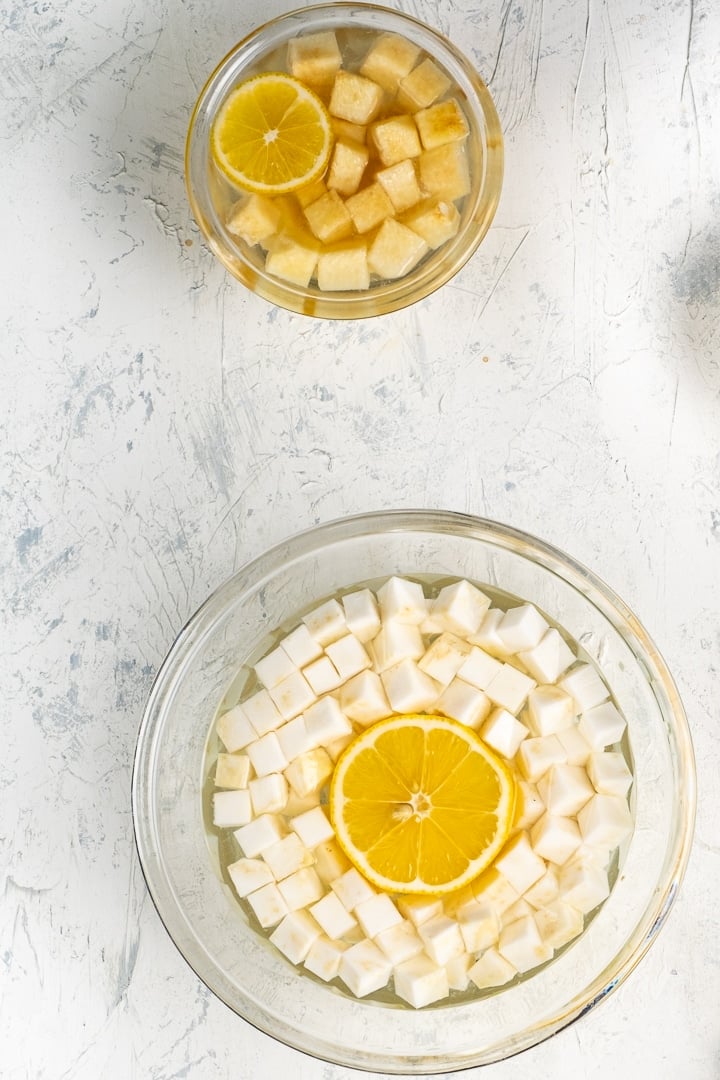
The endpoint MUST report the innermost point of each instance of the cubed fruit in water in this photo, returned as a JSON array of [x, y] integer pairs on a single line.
[[329, 218], [369, 207], [395, 250], [444, 172], [395, 139], [422, 86], [435, 220], [347, 165], [389, 59], [254, 219], [401, 184], [441, 124], [315, 59], [355, 98], [344, 269]]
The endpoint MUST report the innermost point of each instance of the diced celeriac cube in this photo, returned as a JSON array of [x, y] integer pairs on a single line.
[[301, 888], [268, 905], [309, 771], [602, 725], [607, 771], [343, 129], [301, 646], [292, 259], [348, 656], [355, 98], [491, 969], [268, 794], [420, 982], [584, 686], [399, 942], [464, 703], [295, 935], [521, 944], [326, 721], [363, 698], [323, 958], [298, 804], [536, 755], [396, 642], [231, 808], [529, 805], [555, 838], [376, 914], [368, 208], [420, 909], [352, 888], [509, 688], [266, 755], [306, 195], [479, 669], [558, 923], [565, 789], [544, 891], [364, 968], [408, 688], [262, 713], [549, 710], [403, 601], [232, 771], [344, 268], [286, 856], [347, 165], [519, 864], [605, 820], [313, 827], [583, 885], [422, 86], [314, 59], [547, 660], [337, 746], [259, 834], [327, 622], [458, 971], [390, 58], [503, 732], [322, 675], [361, 614], [444, 657], [294, 738], [332, 916], [395, 138], [435, 220], [292, 695], [441, 124], [274, 667], [400, 183], [254, 219], [576, 747], [235, 729], [442, 938], [330, 860], [493, 889], [248, 875], [521, 627], [395, 249], [519, 910], [479, 925], [444, 172], [486, 636]]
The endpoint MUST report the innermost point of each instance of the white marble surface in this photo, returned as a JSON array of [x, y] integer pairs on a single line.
[[161, 425]]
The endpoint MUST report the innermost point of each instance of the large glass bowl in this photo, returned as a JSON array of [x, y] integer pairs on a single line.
[[209, 195], [234, 627]]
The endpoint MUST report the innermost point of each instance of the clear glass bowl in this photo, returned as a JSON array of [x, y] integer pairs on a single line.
[[236, 625], [209, 197]]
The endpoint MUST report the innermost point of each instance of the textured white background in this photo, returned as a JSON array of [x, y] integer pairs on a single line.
[[161, 426]]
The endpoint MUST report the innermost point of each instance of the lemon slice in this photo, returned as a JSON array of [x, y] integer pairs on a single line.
[[420, 805], [272, 135]]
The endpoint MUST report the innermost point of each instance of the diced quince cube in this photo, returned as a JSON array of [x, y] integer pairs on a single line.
[[395, 139], [343, 129], [291, 260], [355, 98], [435, 220], [347, 166], [444, 171], [441, 123], [401, 184], [254, 219], [310, 192], [370, 207], [395, 250], [344, 268], [425, 84], [390, 58], [314, 58], [328, 218]]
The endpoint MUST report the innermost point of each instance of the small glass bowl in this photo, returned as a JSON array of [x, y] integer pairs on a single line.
[[238, 623], [209, 193]]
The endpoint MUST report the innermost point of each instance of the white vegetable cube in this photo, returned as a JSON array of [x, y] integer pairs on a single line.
[[577, 748], [298, 804], [262, 713], [395, 642], [355, 98], [607, 771], [395, 139], [420, 982], [458, 971], [260, 834], [555, 838], [583, 885], [268, 905], [232, 771], [420, 909], [444, 657], [389, 59], [422, 86], [521, 627], [395, 249], [464, 703], [347, 165], [558, 923], [521, 944], [442, 938], [509, 688], [454, 902], [313, 827], [292, 695], [444, 171], [364, 968], [491, 969], [547, 660], [399, 942], [337, 746], [295, 935], [268, 794], [584, 686], [549, 710], [494, 890], [528, 805], [292, 259], [235, 729], [322, 675], [402, 600], [376, 914], [232, 808], [486, 637], [480, 668], [544, 891], [330, 860], [327, 622], [248, 875], [323, 957], [301, 888], [602, 725], [286, 856], [605, 820], [344, 268], [274, 667], [326, 721], [348, 656], [479, 925], [294, 738], [343, 129], [565, 789], [368, 208], [361, 614], [442, 123], [503, 732], [301, 646], [314, 58], [408, 688], [536, 755], [332, 916], [266, 755], [519, 910], [519, 863], [400, 183], [352, 888], [436, 221], [254, 219], [363, 698], [309, 771]]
